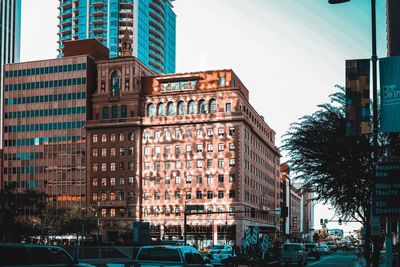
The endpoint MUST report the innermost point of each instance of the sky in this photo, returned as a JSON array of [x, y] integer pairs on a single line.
[[288, 53]]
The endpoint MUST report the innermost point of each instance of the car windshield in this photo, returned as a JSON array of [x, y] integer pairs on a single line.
[[159, 254], [292, 247]]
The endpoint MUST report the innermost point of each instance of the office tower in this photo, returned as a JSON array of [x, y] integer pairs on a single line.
[[45, 108], [184, 139], [393, 27], [150, 24], [10, 31]]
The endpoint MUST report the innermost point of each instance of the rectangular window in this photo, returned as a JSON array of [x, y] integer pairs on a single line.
[[167, 150], [146, 136], [167, 180], [95, 138], [220, 163], [112, 166], [157, 180], [156, 136], [177, 195], [209, 163], [199, 195], [94, 182], [112, 151], [147, 151], [199, 179], [210, 132], [131, 136], [199, 133], [95, 152], [103, 138], [188, 179], [112, 181], [177, 179], [231, 178], [199, 163], [231, 146], [209, 194], [112, 137], [228, 107], [130, 165], [130, 151], [103, 181], [167, 195], [178, 150], [210, 179], [188, 164], [231, 193], [121, 137], [121, 181], [188, 195], [167, 165], [156, 165], [104, 167], [95, 167], [157, 196], [231, 162], [221, 178], [157, 150], [178, 134], [220, 194], [188, 134], [178, 164], [131, 180], [147, 165], [232, 131], [199, 148], [121, 151], [167, 135], [104, 152], [188, 148], [221, 147], [210, 147], [221, 131]]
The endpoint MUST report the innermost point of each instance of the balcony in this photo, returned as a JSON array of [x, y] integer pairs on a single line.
[[126, 13], [157, 10], [65, 22], [126, 22], [98, 4], [157, 25], [98, 12], [156, 41], [125, 4]]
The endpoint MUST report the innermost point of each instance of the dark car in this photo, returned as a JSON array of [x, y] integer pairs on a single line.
[[313, 250], [36, 255]]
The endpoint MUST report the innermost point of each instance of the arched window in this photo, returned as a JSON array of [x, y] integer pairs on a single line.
[[150, 110], [212, 105], [115, 83], [181, 108], [160, 109], [124, 111], [114, 112], [202, 106], [170, 109], [191, 107], [106, 112]]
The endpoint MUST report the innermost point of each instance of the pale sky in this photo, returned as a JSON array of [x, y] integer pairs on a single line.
[[288, 53]]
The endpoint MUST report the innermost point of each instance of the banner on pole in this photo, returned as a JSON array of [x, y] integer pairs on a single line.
[[389, 70], [357, 97]]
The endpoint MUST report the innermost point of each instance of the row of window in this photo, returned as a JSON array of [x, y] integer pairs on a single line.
[[44, 112], [113, 181], [112, 212], [44, 98], [112, 137], [179, 211], [182, 108], [114, 112], [43, 126], [112, 166], [23, 156], [45, 70], [112, 196], [40, 140], [188, 195], [168, 134], [113, 152], [45, 84], [156, 150], [189, 164]]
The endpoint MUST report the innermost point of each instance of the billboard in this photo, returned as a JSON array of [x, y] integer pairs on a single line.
[[357, 97], [389, 70]]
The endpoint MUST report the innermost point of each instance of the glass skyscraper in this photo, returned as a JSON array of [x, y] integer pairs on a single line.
[[150, 23], [10, 31]]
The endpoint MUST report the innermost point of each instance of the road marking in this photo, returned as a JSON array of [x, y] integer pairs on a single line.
[[324, 259]]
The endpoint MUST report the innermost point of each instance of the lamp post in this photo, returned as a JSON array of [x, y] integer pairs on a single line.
[[374, 59]]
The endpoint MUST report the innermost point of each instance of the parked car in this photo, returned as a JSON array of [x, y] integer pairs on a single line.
[[217, 248], [294, 253], [36, 255], [324, 249], [218, 256], [332, 246], [313, 250], [177, 256]]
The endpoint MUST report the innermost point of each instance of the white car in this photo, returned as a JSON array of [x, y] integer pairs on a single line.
[[219, 253]]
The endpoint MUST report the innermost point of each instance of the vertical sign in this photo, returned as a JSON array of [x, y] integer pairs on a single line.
[[386, 193], [357, 97], [389, 70]]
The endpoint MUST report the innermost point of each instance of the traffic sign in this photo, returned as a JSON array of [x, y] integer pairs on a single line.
[[386, 189]]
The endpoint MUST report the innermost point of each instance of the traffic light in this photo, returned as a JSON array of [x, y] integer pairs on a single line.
[[340, 221], [321, 221]]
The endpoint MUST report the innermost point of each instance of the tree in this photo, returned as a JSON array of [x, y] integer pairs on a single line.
[[19, 213], [337, 167]]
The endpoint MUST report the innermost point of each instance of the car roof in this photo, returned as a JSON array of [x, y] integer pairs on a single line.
[[22, 245]]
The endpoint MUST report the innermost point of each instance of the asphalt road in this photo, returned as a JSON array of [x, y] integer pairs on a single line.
[[340, 258]]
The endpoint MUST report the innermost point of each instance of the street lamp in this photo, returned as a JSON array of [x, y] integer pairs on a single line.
[[374, 60]]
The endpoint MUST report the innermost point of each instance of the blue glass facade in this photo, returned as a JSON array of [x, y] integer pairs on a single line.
[[150, 23]]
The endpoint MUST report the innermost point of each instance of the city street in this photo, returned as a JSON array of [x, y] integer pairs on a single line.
[[340, 258]]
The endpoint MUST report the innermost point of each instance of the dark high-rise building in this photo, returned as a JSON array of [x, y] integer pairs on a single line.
[[393, 27], [10, 30]]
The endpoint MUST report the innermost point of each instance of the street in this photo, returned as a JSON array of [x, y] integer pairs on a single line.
[[340, 258]]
